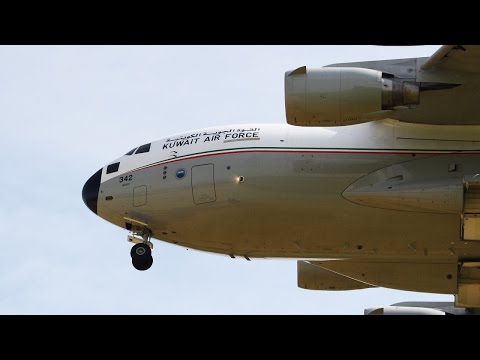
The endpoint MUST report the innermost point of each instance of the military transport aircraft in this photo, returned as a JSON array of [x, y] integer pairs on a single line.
[[374, 182]]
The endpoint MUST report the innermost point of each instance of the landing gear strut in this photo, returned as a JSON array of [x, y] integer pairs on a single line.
[[141, 252]]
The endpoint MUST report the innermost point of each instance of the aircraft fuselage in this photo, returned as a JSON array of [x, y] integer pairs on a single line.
[[267, 190]]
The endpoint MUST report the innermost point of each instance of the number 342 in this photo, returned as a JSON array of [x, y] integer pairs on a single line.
[[125, 178]]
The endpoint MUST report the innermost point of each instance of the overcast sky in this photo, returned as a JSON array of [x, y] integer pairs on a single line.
[[66, 111]]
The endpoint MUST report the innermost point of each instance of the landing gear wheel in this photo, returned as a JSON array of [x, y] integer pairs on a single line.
[[142, 266], [141, 253], [141, 256]]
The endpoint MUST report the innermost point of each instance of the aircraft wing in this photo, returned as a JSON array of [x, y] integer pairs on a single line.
[[464, 58]]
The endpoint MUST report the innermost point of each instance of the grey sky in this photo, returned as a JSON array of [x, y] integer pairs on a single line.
[[68, 110]]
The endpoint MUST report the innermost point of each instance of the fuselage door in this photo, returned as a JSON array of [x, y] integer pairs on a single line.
[[203, 184], [139, 196]]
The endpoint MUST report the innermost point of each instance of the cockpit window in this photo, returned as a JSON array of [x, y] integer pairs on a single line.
[[112, 168], [143, 149], [131, 151]]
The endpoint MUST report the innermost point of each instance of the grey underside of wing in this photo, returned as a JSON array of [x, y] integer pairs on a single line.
[[460, 58]]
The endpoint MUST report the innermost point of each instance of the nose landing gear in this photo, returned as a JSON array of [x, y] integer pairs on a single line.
[[141, 252]]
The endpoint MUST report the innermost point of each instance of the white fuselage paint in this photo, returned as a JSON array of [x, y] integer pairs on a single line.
[[290, 201]]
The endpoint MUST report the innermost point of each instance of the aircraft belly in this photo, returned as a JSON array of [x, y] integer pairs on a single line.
[[333, 231]]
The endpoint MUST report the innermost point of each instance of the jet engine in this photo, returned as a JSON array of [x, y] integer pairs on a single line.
[[333, 96], [403, 310]]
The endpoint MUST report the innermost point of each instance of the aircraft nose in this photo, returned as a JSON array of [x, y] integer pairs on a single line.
[[90, 191]]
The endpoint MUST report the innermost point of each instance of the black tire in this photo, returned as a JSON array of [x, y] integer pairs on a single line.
[[141, 253], [143, 265]]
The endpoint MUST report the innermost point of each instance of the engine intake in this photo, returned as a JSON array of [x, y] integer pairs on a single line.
[[344, 96]]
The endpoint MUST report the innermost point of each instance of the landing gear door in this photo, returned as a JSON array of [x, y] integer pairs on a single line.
[[471, 210], [203, 184]]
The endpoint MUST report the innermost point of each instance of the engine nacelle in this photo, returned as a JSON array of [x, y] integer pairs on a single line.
[[344, 96], [402, 310]]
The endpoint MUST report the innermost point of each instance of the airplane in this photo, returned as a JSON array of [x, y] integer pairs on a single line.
[[374, 181]]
